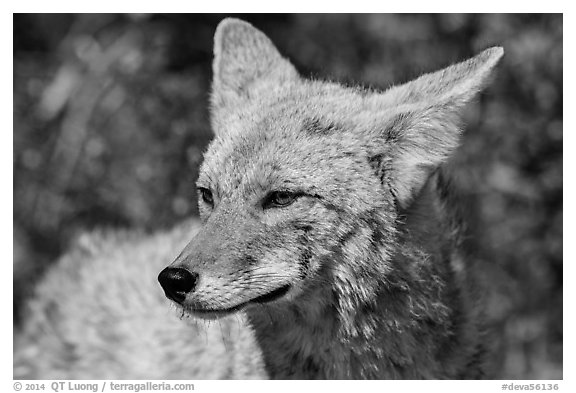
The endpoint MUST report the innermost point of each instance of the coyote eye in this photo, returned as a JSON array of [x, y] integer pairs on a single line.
[[206, 195], [280, 199]]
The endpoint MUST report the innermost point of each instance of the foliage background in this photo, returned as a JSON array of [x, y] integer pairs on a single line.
[[110, 122]]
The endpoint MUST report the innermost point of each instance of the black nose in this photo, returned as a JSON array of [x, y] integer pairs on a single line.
[[177, 282]]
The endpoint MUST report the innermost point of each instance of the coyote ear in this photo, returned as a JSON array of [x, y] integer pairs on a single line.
[[422, 121], [244, 59]]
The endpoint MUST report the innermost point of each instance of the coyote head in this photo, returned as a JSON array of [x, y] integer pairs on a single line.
[[300, 191]]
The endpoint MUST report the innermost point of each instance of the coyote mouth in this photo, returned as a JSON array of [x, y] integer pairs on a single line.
[[222, 312], [271, 296]]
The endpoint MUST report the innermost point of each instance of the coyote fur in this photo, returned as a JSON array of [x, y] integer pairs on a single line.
[[329, 243]]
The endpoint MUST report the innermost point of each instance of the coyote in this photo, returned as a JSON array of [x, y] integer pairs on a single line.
[[329, 244]]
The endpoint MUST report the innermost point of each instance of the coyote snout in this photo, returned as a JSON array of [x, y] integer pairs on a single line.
[[236, 261]]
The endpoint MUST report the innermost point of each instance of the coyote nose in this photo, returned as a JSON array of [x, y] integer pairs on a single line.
[[177, 282]]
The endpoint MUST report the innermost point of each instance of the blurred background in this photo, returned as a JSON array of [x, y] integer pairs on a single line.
[[110, 122]]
